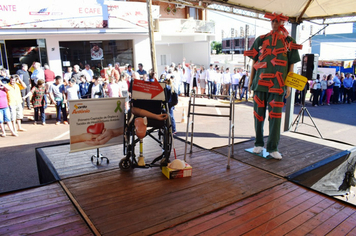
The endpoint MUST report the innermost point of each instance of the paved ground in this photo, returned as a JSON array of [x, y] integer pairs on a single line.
[[18, 164]]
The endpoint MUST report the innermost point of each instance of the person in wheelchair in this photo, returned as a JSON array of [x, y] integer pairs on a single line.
[[147, 113]]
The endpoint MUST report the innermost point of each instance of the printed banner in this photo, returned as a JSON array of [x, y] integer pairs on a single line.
[[96, 51], [51, 14], [96, 123]]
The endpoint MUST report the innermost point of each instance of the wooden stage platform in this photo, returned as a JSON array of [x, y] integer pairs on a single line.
[[253, 197]]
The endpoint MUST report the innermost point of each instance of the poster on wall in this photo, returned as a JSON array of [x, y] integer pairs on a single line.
[[96, 123], [96, 50]]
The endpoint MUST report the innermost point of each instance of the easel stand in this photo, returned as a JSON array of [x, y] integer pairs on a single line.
[[301, 116], [99, 156]]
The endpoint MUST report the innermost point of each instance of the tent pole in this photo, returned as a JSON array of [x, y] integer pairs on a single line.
[[151, 35], [290, 100]]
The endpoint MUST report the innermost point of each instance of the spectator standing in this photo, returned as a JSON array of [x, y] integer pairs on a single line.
[[217, 81], [37, 73], [116, 73], [88, 73], [348, 84], [3, 76], [5, 112], [15, 101], [341, 90], [125, 89], [57, 95], [317, 90], [170, 90], [330, 88], [129, 71], [114, 89], [38, 100], [210, 76], [336, 88], [95, 89], [141, 71], [76, 73], [244, 87], [202, 80], [71, 91], [324, 86], [165, 71], [235, 79], [68, 75], [25, 77], [49, 76], [83, 87], [226, 81]]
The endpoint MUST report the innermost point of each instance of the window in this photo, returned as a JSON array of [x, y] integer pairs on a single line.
[[163, 60], [227, 43], [237, 42], [194, 13], [97, 53]]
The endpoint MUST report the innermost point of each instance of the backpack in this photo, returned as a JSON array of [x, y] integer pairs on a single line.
[[173, 100]]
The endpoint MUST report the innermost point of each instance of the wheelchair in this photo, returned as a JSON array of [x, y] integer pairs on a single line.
[[159, 131]]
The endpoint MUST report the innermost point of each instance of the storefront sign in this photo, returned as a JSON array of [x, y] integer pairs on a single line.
[[74, 14], [96, 123], [51, 14], [129, 14]]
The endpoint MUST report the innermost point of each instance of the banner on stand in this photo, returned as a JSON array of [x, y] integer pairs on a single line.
[[96, 123]]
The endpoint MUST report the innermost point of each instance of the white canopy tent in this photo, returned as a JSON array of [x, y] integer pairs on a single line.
[[326, 11]]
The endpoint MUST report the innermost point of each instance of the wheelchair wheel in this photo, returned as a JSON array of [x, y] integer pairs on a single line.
[[167, 146], [125, 164]]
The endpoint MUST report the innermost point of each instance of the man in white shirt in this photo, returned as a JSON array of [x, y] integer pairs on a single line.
[[38, 73], [210, 73], [88, 73], [235, 79], [226, 82]]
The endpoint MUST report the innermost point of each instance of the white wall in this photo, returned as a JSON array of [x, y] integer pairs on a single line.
[[173, 52], [197, 53]]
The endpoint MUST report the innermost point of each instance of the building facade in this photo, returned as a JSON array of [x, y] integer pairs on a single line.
[[99, 33]]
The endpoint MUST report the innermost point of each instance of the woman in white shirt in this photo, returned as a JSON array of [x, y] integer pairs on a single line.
[[202, 79]]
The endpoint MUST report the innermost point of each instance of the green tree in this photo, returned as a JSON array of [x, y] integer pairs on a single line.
[[217, 46]]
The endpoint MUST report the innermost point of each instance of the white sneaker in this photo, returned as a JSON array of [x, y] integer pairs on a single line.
[[276, 155], [257, 149]]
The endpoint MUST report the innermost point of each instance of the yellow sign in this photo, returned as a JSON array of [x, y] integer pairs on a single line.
[[296, 81]]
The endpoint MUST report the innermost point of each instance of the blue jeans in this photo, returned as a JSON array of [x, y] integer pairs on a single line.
[[210, 87], [43, 116], [61, 109], [172, 119], [218, 89], [234, 89], [244, 89], [322, 96]]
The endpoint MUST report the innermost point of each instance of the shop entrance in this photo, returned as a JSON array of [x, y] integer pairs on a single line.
[[24, 51]]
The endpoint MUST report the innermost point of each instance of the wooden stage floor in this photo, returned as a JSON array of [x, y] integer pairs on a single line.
[[252, 197]]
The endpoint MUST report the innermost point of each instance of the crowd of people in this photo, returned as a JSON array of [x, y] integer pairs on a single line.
[[330, 89], [207, 82], [36, 88]]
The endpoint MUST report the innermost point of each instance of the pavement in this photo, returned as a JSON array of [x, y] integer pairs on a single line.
[[18, 167]]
